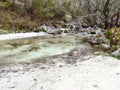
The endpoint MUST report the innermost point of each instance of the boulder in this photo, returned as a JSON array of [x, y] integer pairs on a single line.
[[97, 39], [67, 17]]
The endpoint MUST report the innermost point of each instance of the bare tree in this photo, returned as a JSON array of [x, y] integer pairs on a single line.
[[106, 12]]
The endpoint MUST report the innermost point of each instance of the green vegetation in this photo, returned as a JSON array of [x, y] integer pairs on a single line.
[[12, 22], [24, 15], [44, 8], [116, 56], [114, 36], [5, 4], [105, 54]]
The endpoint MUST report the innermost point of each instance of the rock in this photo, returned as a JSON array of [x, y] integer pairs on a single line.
[[96, 30], [47, 29], [63, 30], [117, 52], [52, 31], [105, 46], [99, 31], [94, 85], [8, 47], [60, 24], [67, 17], [97, 39]]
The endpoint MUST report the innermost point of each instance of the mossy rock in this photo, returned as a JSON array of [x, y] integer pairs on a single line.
[[114, 32]]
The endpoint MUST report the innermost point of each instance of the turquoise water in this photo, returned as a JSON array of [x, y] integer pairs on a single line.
[[27, 50]]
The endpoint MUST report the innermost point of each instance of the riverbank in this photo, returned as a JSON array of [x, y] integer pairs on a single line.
[[96, 73], [13, 36]]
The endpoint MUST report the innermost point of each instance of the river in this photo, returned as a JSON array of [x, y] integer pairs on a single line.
[[27, 50]]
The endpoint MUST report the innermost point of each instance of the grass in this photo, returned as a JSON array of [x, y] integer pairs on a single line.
[[103, 54], [116, 56], [11, 22]]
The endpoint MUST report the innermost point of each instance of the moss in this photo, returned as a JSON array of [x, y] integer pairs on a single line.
[[43, 30], [113, 48], [111, 31], [114, 33], [99, 54]]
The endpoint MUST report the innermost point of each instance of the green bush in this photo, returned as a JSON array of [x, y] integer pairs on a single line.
[[5, 4], [116, 56], [12, 22], [70, 7], [114, 33], [44, 8]]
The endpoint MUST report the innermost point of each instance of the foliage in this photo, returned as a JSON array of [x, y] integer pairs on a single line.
[[114, 35], [103, 13], [116, 56], [13, 22], [113, 48], [44, 8], [5, 4], [70, 7]]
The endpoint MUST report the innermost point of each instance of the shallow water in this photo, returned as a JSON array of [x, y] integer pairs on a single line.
[[29, 49]]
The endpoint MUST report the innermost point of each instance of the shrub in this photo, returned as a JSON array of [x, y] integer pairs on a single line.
[[13, 22], [44, 8], [116, 56], [114, 36], [5, 4]]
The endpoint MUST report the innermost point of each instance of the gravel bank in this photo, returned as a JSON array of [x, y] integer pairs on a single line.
[[96, 73]]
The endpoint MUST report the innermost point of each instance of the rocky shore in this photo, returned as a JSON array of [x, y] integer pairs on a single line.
[[96, 73]]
